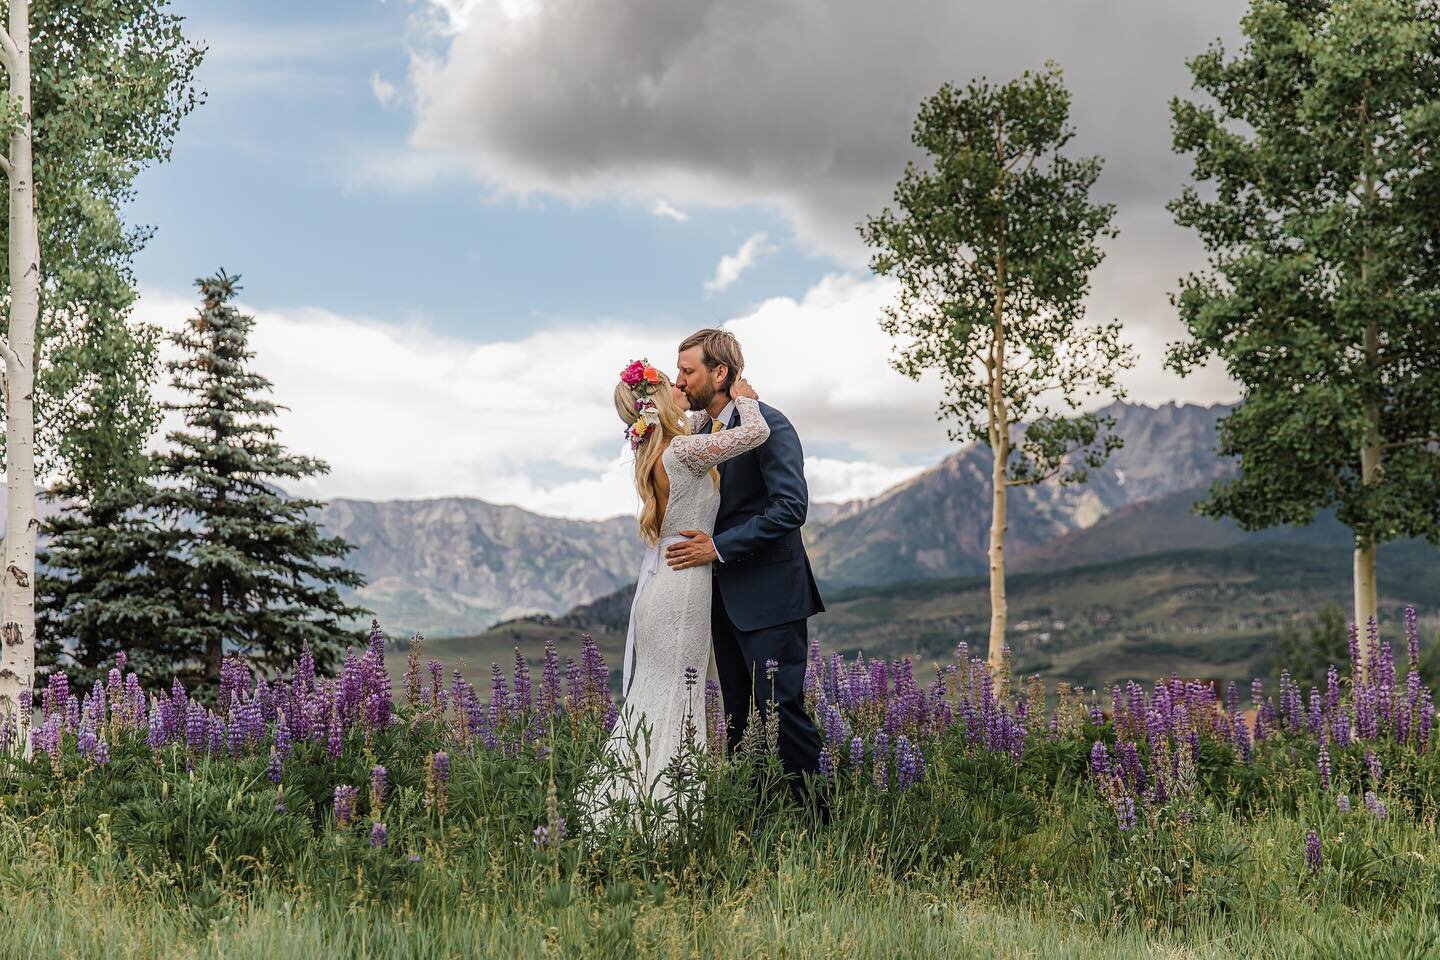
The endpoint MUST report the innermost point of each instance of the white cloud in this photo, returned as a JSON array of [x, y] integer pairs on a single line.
[[661, 208], [835, 481], [728, 270], [386, 93], [399, 411], [805, 109]]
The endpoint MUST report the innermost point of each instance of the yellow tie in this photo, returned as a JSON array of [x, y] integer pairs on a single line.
[[716, 426]]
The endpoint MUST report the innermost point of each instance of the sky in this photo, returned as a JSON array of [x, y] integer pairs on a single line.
[[455, 221]]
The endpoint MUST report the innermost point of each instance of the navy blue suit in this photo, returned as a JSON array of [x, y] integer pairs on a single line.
[[764, 590]]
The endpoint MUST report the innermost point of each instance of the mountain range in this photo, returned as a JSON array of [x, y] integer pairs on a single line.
[[457, 566]]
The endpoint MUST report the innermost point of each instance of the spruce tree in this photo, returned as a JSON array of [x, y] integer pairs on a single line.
[[253, 573], [103, 586]]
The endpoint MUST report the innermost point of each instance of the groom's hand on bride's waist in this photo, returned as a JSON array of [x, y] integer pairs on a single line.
[[694, 552]]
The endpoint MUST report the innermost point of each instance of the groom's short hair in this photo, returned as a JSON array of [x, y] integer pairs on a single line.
[[717, 347]]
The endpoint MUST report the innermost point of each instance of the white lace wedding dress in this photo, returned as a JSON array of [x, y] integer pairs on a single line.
[[670, 627]]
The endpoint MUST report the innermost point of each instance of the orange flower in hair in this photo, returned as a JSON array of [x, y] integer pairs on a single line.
[[652, 375]]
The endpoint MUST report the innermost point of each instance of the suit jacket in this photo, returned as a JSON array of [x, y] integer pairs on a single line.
[[765, 578]]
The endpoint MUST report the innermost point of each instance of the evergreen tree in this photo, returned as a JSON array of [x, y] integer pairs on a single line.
[[252, 572], [103, 587]]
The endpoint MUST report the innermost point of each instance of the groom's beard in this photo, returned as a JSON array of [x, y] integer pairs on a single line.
[[699, 401]]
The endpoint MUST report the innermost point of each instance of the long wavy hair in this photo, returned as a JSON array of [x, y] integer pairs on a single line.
[[673, 423]]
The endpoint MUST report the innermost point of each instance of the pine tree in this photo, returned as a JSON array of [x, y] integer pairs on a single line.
[[103, 586], [254, 573]]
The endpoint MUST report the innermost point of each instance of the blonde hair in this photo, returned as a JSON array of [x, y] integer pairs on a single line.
[[673, 423]]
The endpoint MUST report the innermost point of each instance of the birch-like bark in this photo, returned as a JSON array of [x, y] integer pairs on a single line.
[[1367, 594], [999, 431], [17, 580]]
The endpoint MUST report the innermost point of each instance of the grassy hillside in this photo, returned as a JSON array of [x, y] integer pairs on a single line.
[[1201, 613]]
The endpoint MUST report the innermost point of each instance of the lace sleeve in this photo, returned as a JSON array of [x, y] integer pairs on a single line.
[[699, 452]]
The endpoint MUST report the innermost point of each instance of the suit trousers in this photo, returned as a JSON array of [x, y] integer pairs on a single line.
[[740, 657]]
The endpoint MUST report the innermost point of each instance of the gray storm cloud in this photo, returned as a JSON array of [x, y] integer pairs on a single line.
[[807, 106]]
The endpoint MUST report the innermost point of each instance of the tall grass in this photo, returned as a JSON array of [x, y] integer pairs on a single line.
[[152, 826]]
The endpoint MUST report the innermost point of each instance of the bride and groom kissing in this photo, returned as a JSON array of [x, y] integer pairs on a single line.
[[723, 496]]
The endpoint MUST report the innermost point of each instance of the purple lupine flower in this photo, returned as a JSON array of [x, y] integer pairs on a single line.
[[1372, 764], [1099, 760], [102, 752], [334, 744], [908, 770], [1427, 718], [1242, 737], [857, 755], [86, 741], [714, 718], [345, 805], [836, 729], [1412, 638], [379, 836], [1312, 851], [827, 763], [692, 677], [1316, 720], [8, 732], [195, 727], [521, 680], [544, 839], [1340, 728], [1332, 690], [1323, 761], [499, 695], [1342, 803], [1375, 805], [274, 769], [1366, 723], [440, 767], [437, 684], [378, 778], [1357, 671], [550, 680], [1125, 811]]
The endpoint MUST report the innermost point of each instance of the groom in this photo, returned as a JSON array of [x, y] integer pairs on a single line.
[[763, 587]]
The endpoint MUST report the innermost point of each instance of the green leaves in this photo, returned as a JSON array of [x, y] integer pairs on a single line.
[[1319, 214], [110, 84], [993, 244]]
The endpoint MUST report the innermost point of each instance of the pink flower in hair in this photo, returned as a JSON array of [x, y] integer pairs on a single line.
[[634, 374]]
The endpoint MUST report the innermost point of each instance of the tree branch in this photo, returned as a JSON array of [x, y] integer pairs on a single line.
[[6, 353], [1413, 442], [9, 53], [4, 164]]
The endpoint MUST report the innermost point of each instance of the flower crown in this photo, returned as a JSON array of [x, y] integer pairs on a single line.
[[643, 379]]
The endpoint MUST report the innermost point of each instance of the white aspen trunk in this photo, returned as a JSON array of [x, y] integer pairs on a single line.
[[1367, 595], [999, 433], [1000, 446], [17, 580]]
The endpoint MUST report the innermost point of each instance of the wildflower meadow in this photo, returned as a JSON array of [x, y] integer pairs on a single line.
[[308, 815]]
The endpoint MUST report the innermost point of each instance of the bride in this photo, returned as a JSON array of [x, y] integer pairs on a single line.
[[667, 649]]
